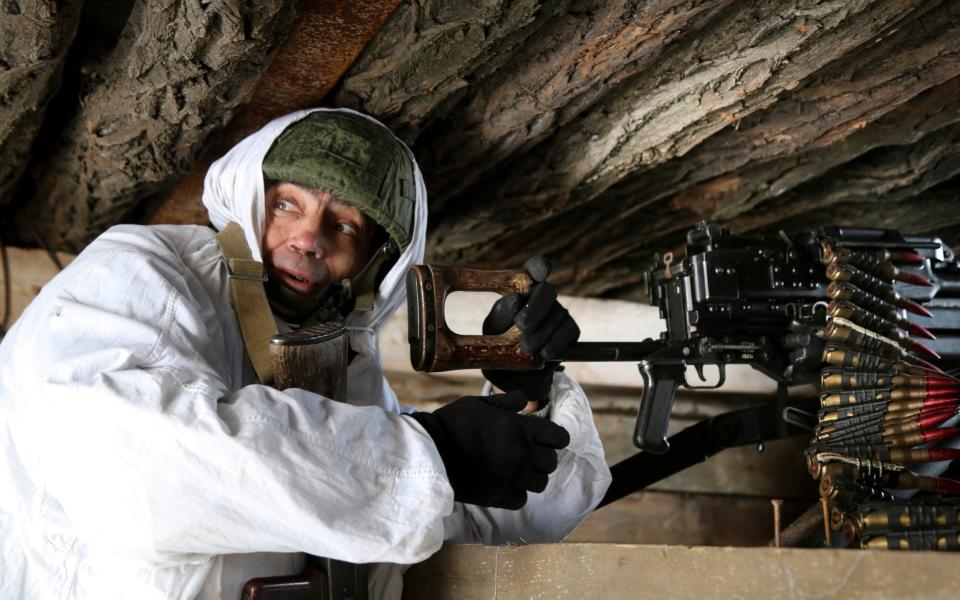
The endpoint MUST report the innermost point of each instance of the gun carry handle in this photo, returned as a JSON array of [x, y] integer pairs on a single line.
[[659, 390], [433, 347]]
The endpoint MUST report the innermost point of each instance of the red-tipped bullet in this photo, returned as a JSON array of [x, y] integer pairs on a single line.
[[920, 455], [947, 486], [948, 394], [927, 365], [914, 279], [929, 420], [922, 348], [906, 480], [936, 435], [921, 331], [904, 256], [914, 307], [943, 454], [941, 383], [950, 401]]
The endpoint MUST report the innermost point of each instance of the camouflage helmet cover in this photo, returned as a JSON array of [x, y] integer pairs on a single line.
[[353, 158]]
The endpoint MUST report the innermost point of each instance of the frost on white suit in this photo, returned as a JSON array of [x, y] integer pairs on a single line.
[[139, 459]]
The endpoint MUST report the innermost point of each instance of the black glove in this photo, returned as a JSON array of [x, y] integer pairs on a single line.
[[546, 329], [493, 455]]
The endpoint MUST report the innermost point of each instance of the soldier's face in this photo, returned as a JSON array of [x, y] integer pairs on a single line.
[[310, 240]]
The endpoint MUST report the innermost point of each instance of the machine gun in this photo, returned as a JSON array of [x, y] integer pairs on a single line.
[[765, 302], [784, 305]]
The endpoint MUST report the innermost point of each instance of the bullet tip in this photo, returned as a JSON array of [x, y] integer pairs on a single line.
[[921, 331], [917, 280], [923, 348], [917, 308]]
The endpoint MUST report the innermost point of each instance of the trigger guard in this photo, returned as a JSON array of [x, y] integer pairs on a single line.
[[699, 368]]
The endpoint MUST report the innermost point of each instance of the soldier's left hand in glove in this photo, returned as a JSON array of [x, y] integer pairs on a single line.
[[546, 330]]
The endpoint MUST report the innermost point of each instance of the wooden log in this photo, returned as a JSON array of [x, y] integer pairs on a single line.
[[804, 530], [30, 270], [429, 52], [180, 70], [756, 53], [323, 42], [882, 178], [574, 59], [881, 88], [648, 225], [875, 183], [34, 38]]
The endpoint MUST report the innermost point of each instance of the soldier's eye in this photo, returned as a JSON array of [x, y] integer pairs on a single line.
[[346, 228], [285, 205]]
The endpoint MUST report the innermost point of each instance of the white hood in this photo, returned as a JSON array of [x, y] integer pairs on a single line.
[[233, 191]]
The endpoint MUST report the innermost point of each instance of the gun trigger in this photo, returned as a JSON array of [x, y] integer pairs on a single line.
[[699, 368]]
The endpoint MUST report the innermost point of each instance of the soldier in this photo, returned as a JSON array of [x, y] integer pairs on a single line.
[[143, 459]]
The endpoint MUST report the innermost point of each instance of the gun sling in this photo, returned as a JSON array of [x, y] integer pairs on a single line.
[[699, 442]]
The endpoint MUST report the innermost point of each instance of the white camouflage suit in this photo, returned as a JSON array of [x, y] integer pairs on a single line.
[[139, 460]]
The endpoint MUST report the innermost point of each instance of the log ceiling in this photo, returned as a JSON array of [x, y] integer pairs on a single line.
[[595, 131]]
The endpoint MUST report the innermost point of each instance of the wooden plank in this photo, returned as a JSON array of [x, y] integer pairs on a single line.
[[30, 270], [559, 571], [658, 517]]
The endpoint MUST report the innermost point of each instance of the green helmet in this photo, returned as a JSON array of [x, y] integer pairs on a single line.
[[353, 158]]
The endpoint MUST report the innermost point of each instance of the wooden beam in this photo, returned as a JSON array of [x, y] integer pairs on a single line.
[[324, 41], [562, 571], [178, 72], [878, 170], [34, 38], [742, 62], [30, 270], [688, 519], [429, 53]]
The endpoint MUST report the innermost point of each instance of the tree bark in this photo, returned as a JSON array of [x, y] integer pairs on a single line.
[[843, 100], [740, 64], [34, 38], [179, 72], [647, 222], [325, 39], [429, 53], [574, 61], [873, 190]]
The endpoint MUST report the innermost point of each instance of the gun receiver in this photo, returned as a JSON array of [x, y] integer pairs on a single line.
[[728, 300]]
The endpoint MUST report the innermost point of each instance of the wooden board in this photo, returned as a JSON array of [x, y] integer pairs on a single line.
[[559, 571], [30, 270], [687, 518]]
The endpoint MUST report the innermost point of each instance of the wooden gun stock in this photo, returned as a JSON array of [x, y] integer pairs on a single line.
[[433, 347], [312, 358]]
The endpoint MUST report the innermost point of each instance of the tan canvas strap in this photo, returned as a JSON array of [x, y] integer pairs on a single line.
[[249, 299]]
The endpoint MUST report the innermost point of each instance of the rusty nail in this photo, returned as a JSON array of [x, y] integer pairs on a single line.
[[777, 503]]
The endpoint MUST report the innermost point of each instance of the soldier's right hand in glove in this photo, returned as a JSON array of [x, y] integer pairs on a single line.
[[492, 454], [546, 330]]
